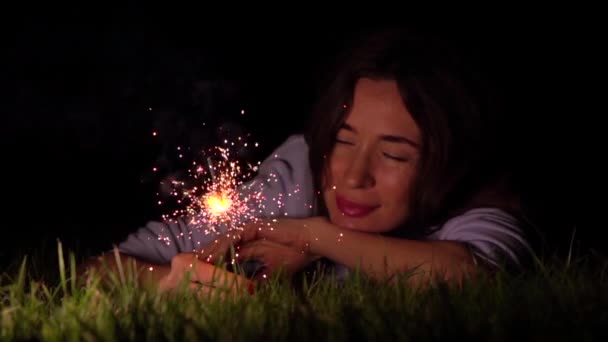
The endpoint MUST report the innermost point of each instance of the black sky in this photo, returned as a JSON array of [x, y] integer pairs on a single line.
[[76, 132]]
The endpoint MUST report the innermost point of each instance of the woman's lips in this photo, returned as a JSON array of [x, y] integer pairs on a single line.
[[353, 209]]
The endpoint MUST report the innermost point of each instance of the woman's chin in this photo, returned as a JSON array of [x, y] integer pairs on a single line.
[[367, 224], [360, 224]]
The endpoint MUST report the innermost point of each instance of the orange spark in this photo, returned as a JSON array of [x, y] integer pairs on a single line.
[[218, 203]]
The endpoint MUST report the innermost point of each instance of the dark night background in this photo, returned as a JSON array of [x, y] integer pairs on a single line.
[[76, 129]]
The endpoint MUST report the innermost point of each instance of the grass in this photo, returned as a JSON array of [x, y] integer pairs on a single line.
[[557, 300]]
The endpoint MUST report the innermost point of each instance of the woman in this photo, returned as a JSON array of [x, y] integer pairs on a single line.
[[399, 170]]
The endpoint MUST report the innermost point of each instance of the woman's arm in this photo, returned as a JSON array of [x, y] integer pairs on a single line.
[[382, 257], [147, 274], [149, 250], [377, 256]]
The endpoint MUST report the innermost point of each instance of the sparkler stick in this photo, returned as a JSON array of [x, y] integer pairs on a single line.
[[211, 170]]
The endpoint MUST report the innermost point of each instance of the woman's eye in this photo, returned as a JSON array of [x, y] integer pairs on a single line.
[[340, 141], [399, 159]]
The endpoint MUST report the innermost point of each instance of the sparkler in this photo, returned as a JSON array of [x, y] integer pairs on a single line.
[[214, 204], [211, 170], [215, 198]]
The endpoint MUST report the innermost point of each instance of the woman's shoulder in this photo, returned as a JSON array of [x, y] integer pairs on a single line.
[[482, 219], [493, 233], [284, 179], [289, 158], [293, 146], [488, 212]]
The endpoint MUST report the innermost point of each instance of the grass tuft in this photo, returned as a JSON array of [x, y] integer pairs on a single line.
[[559, 300]]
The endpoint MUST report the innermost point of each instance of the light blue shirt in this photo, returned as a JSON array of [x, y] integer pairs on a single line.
[[491, 233]]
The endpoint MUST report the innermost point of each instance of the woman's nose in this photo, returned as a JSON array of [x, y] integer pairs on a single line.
[[358, 174]]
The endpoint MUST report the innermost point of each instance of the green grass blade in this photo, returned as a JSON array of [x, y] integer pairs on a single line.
[[121, 272], [63, 280]]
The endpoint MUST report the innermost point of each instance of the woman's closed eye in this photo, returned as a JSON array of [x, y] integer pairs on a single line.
[[343, 141], [391, 156], [395, 158]]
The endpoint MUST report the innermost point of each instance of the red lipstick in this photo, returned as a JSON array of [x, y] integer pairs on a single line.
[[353, 209]]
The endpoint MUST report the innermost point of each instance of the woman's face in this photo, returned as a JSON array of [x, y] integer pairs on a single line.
[[372, 164]]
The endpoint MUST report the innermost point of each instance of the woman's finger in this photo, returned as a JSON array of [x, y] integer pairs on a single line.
[[212, 291], [257, 249], [219, 249], [211, 275], [273, 256], [288, 232], [250, 230], [197, 272]]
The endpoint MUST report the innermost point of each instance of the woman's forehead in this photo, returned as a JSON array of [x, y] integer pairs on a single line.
[[378, 108]]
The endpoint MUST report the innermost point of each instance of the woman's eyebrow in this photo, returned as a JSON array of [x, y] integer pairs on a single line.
[[387, 137]]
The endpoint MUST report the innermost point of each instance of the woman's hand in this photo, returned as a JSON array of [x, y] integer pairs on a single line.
[[204, 277], [276, 243], [273, 257]]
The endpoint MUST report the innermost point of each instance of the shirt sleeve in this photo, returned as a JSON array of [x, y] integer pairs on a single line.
[[282, 187], [158, 242], [492, 235]]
